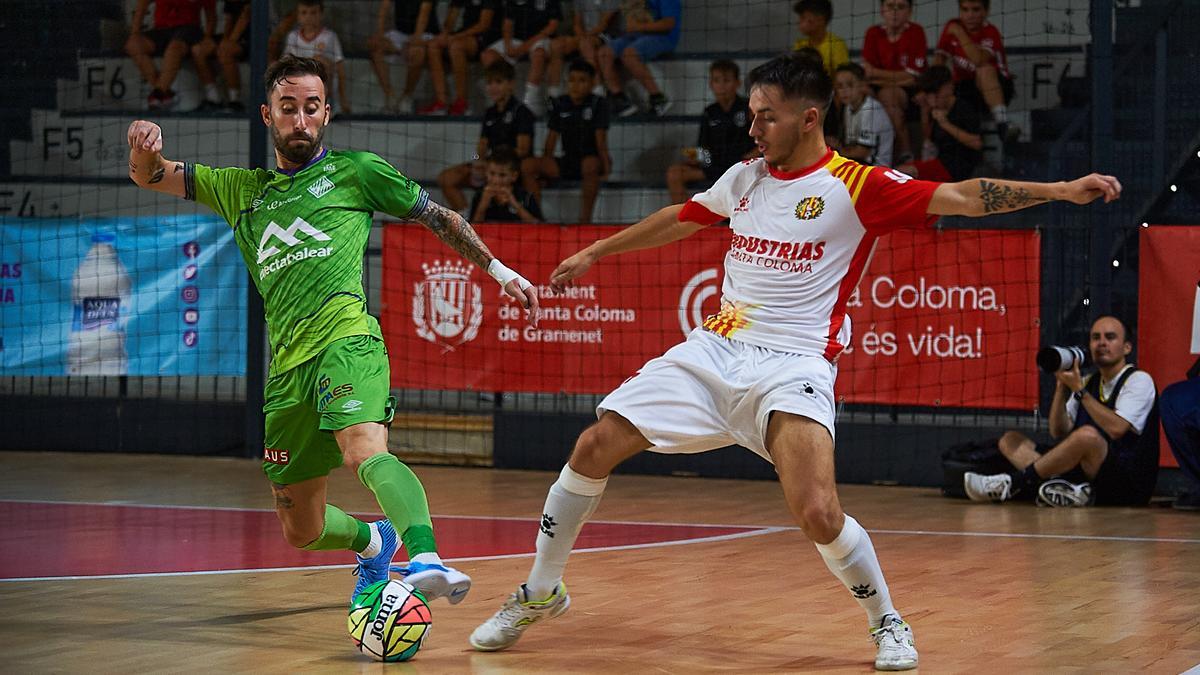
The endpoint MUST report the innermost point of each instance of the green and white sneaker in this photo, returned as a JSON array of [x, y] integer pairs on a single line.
[[518, 613], [894, 640]]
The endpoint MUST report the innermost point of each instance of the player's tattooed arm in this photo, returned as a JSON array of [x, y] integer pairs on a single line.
[[147, 167], [453, 229], [985, 196]]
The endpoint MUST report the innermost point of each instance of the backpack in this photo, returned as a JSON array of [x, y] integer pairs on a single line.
[[982, 456]]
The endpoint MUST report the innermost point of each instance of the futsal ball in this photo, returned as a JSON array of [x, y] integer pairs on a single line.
[[389, 621]]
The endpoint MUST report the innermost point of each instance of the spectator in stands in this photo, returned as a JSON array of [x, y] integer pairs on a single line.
[[506, 123], [1106, 426], [314, 40], [480, 21], [526, 32], [279, 34], [501, 199], [580, 119], [177, 30], [814, 17], [230, 50], [652, 30], [975, 50], [724, 134], [1181, 422], [866, 133], [591, 28], [894, 54], [410, 33], [952, 125]]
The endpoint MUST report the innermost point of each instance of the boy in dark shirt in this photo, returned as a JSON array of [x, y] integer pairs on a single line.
[[480, 28], [501, 199], [580, 118], [506, 123], [526, 32], [724, 134], [952, 123]]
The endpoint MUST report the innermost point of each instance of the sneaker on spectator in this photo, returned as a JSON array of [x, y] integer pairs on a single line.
[[536, 103], [1061, 492], [458, 107], [404, 106], [155, 100], [435, 108], [659, 105], [1188, 501], [621, 105], [168, 101]]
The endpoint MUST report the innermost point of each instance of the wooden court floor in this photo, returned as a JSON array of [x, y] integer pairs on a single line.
[[988, 589]]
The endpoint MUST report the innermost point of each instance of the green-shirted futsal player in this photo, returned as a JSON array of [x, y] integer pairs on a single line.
[[302, 230]]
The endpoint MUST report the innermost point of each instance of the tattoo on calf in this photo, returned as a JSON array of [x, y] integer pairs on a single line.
[[455, 231], [282, 499], [1004, 198], [178, 167], [159, 174]]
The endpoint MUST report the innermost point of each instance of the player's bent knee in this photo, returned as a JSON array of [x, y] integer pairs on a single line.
[[1091, 435], [821, 520], [1011, 440]]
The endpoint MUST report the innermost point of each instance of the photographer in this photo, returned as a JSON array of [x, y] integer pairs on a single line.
[[1106, 427]]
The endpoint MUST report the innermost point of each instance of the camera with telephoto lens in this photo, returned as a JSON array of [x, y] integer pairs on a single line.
[[1054, 359]]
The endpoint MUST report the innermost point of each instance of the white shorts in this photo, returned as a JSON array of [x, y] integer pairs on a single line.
[[498, 47], [709, 392], [400, 40]]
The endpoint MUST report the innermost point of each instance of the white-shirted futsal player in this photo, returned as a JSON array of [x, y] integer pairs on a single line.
[[760, 372]]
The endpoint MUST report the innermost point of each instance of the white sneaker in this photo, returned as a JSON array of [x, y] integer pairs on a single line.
[[505, 627], [436, 581], [1060, 492], [404, 106], [981, 488], [894, 640]]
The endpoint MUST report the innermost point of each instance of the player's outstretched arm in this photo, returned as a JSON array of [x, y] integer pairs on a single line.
[[458, 234], [147, 167], [659, 228], [985, 196]]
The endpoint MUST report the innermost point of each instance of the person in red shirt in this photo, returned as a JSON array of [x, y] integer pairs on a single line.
[[974, 49], [176, 31], [894, 54]]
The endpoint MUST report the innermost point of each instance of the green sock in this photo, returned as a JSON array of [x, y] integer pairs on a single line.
[[400, 495], [341, 532]]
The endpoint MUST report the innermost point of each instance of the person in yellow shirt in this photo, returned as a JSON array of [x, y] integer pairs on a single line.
[[813, 21]]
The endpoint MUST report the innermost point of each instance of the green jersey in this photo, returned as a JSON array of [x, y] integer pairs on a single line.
[[303, 234]]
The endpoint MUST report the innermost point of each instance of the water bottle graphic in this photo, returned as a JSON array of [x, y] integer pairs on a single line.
[[100, 293]]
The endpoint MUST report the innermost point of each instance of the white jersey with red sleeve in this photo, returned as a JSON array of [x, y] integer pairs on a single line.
[[801, 242]]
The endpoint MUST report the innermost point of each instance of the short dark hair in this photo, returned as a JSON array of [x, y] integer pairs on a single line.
[[290, 66], [987, 4], [312, 3], [1124, 326], [910, 2], [822, 8], [500, 70], [505, 156], [725, 66], [797, 76], [582, 66], [934, 78], [852, 68]]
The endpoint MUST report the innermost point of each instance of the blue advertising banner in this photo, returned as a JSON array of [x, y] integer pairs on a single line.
[[121, 296]]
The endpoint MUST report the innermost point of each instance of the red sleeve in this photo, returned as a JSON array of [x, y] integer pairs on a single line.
[[890, 200], [870, 50], [695, 212], [945, 41], [918, 48]]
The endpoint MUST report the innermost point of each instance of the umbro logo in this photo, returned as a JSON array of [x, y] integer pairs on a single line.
[[862, 592], [352, 405], [548, 524], [320, 187]]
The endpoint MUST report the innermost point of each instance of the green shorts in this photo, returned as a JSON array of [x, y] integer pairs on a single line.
[[346, 384]]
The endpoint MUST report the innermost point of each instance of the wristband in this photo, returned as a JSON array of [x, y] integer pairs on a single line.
[[498, 271], [1078, 396]]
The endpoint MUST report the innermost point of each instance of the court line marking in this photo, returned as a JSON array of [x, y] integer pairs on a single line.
[[505, 556]]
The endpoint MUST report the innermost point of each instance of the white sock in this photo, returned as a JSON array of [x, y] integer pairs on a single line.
[[233, 95], [1000, 114], [572, 500], [376, 544], [211, 93], [429, 558], [851, 558]]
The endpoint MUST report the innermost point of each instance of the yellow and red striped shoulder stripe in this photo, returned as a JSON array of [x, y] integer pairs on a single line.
[[853, 174]]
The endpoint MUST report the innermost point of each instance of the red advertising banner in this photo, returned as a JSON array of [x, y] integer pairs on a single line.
[[1168, 337], [945, 318]]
